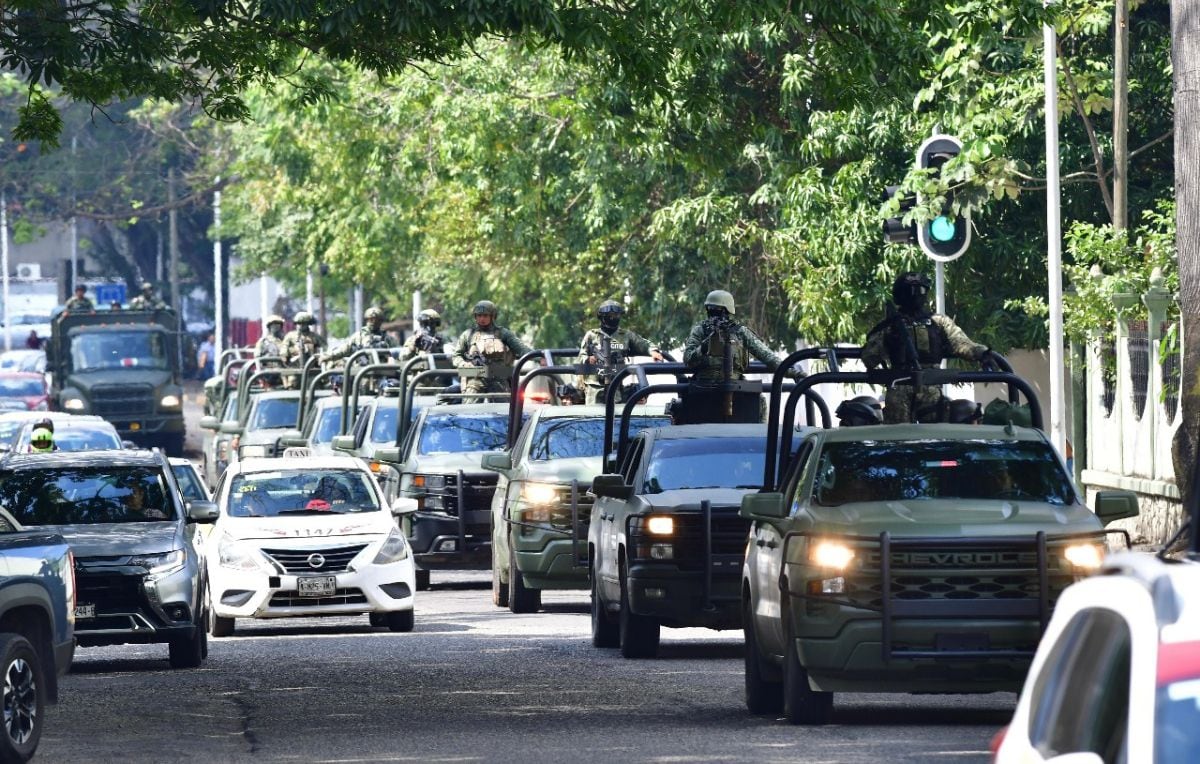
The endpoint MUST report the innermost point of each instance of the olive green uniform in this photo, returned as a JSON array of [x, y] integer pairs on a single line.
[[622, 344], [495, 349], [79, 303], [934, 337], [705, 352], [268, 346], [142, 302], [364, 339], [421, 342], [299, 346]]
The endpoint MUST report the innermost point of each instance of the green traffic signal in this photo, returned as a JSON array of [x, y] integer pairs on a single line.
[[942, 229]]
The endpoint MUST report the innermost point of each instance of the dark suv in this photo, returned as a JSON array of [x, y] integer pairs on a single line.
[[139, 578]]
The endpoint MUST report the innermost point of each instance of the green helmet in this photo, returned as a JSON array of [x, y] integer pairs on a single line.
[[485, 308], [429, 318], [372, 313], [610, 307], [719, 298], [275, 318], [303, 317], [41, 439]]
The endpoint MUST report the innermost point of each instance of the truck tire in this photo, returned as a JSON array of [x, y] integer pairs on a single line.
[[801, 703], [499, 588], [763, 695], [401, 620], [189, 651], [24, 690], [605, 633], [639, 634], [172, 443], [521, 599]]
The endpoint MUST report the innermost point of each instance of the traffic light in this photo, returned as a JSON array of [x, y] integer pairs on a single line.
[[894, 229], [945, 237]]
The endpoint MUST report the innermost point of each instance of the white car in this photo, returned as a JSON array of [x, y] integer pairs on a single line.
[[1116, 677], [307, 536]]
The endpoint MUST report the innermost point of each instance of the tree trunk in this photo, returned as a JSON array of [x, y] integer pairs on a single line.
[[1185, 37]]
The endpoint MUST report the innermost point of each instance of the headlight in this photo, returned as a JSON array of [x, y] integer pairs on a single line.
[[74, 404], [1084, 556], [169, 401], [831, 554], [167, 562], [394, 549], [660, 525], [540, 493], [235, 556], [253, 451]]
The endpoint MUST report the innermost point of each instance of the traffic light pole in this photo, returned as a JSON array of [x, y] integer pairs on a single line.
[[939, 286]]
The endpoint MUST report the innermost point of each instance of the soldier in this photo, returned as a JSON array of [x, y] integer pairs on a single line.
[[80, 301], [705, 348], [426, 338], [301, 343], [608, 347], [147, 300], [912, 338], [271, 344], [371, 336], [490, 347]]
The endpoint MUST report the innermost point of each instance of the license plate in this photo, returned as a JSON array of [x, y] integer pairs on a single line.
[[85, 611], [316, 586]]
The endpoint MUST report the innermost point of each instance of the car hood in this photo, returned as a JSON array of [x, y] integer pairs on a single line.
[[132, 375], [690, 498], [442, 464], [967, 517], [119, 539], [261, 437], [306, 526], [581, 468]]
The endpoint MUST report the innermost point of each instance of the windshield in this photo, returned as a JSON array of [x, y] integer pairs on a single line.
[[460, 433], [85, 495], [273, 413], [68, 438], [189, 482], [383, 429], [937, 469], [568, 437], [22, 387], [300, 492], [705, 463], [141, 349], [329, 423]]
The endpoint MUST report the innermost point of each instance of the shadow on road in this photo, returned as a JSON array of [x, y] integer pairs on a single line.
[[460, 586], [119, 666], [668, 651], [876, 715]]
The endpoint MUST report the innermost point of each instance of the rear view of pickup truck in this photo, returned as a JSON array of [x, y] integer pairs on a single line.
[[37, 640]]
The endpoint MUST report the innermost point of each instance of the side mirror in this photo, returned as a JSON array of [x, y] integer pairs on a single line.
[[343, 443], [612, 486], [763, 506], [231, 428], [293, 439], [202, 511], [497, 461], [389, 454], [403, 506], [1116, 505], [210, 423]]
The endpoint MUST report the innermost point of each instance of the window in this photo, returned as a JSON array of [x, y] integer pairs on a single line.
[[138, 349], [567, 437], [796, 475], [22, 387], [633, 459], [189, 482], [683, 463], [273, 414], [1082, 695], [463, 433], [300, 492], [86, 495], [383, 429]]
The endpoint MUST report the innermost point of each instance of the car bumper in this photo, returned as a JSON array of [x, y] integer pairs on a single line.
[[437, 545], [134, 608], [677, 597], [135, 427], [555, 565], [369, 589]]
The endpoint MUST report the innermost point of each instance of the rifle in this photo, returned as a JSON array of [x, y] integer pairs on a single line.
[[477, 359], [427, 343]]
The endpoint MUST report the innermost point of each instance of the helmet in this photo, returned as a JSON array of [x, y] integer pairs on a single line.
[[81, 287], [485, 308], [610, 308], [41, 439], [46, 422], [910, 289], [719, 298], [147, 286], [859, 411], [964, 411], [429, 318], [303, 317], [373, 312], [275, 318]]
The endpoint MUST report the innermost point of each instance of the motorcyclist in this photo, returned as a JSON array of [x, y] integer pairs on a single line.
[[608, 348]]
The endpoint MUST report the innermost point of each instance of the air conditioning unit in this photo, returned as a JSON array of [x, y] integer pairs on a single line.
[[29, 270]]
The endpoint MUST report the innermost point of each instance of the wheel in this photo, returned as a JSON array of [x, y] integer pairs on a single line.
[[604, 632], [189, 651], [24, 703], [218, 626], [801, 703], [639, 634], [377, 619], [521, 599], [763, 695], [499, 588], [422, 580], [172, 443], [401, 620]]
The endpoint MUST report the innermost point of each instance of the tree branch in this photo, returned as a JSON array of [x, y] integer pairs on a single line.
[[144, 212], [1097, 156]]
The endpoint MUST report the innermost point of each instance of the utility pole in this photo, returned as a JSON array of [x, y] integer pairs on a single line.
[[173, 241], [1058, 436], [308, 290], [1121, 116], [218, 277], [322, 271], [74, 226], [4, 265]]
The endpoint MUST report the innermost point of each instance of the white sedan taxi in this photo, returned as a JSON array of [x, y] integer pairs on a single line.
[[307, 536]]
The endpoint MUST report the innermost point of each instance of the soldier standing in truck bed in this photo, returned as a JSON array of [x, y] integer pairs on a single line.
[[490, 347]]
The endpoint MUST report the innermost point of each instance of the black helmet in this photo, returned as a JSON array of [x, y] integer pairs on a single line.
[[910, 290], [429, 319], [964, 411], [485, 308], [859, 411], [609, 313]]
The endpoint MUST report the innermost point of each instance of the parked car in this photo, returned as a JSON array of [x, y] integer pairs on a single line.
[[71, 433], [139, 578], [308, 536], [37, 612], [23, 391], [191, 484], [1116, 677]]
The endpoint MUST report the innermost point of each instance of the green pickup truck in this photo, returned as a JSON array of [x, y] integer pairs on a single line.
[[909, 557]]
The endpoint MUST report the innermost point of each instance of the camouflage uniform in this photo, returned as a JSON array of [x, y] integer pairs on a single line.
[[79, 303], [268, 346], [299, 346], [364, 339], [622, 344], [494, 348], [705, 350], [934, 337], [421, 342], [144, 302]]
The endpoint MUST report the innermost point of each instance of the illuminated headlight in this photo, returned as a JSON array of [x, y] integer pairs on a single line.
[[74, 404], [1084, 556], [394, 549], [169, 402], [540, 493], [253, 451], [660, 525], [831, 554], [236, 556], [167, 562]]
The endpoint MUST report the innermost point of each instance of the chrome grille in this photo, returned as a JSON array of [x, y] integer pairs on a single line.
[[340, 597], [331, 559]]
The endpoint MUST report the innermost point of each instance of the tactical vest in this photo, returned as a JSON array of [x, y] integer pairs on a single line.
[[928, 338], [716, 349], [489, 345]]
